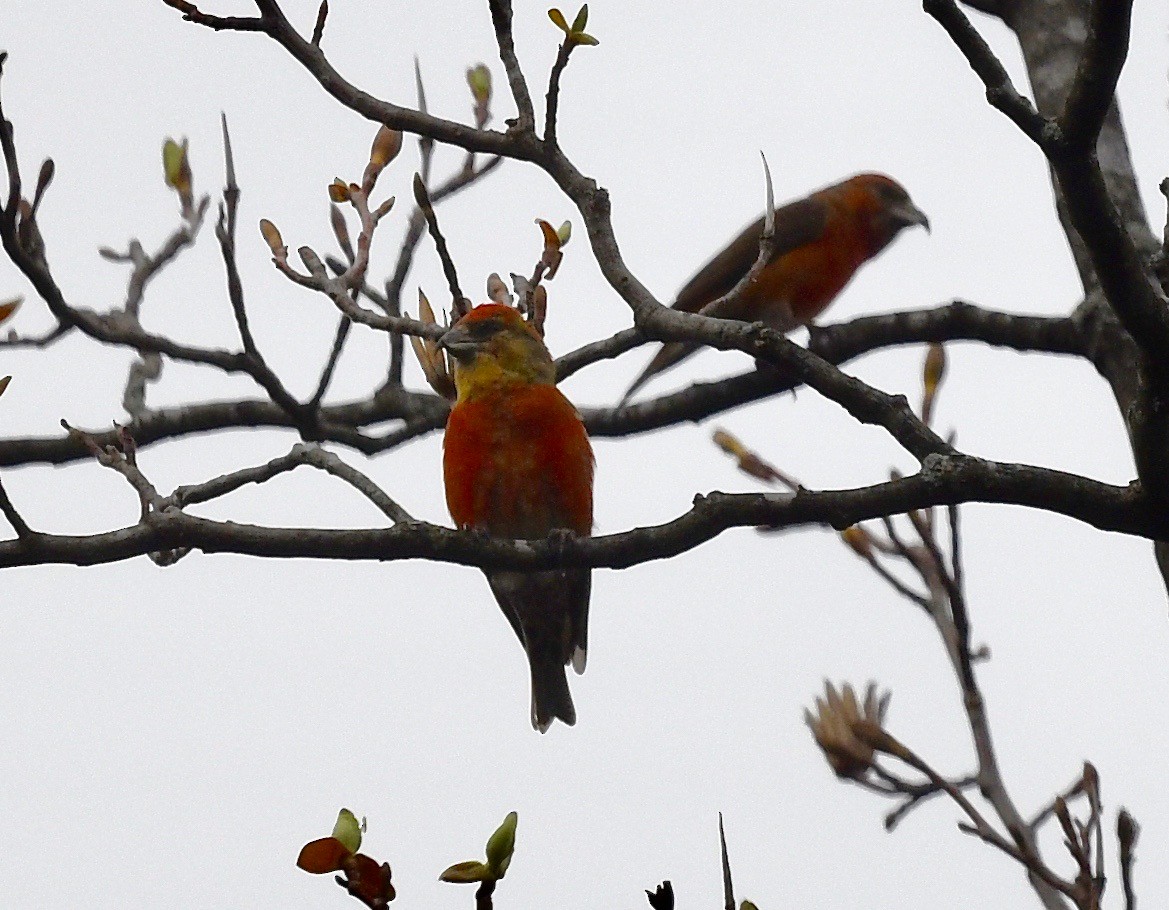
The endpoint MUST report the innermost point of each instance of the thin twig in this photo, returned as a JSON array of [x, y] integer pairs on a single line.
[[343, 327], [1044, 814], [1000, 91], [1023, 853], [391, 302], [19, 525], [231, 23], [896, 583], [319, 26], [915, 796], [727, 304], [728, 888], [8, 145], [300, 454], [501, 20], [331, 464], [36, 341], [605, 349], [422, 197], [1127, 833], [956, 570], [553, 97], [225, 233], [483, 895], [425, 143], [120, 461]]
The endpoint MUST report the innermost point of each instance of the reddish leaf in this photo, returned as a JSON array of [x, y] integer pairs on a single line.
[[325, 855]]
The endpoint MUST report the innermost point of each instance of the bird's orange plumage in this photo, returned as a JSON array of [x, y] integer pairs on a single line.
[[820, 242], [517, 463]]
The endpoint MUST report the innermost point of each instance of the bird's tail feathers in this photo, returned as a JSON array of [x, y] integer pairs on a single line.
[[550, 696], [670, 353]]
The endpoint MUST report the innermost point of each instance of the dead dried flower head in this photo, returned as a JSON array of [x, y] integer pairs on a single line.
[[833, 726]]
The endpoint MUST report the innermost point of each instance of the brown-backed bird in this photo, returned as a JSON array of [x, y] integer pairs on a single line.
[[820, 242]]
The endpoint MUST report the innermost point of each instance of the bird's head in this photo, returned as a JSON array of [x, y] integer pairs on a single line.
[[886, 206], [493, 346]]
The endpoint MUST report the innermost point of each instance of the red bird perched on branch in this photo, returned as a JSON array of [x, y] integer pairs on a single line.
[[820, 242], [517, 464]]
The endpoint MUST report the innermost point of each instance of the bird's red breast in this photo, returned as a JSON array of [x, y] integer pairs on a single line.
[[518, 463]]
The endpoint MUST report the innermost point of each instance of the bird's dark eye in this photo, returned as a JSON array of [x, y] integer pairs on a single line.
[[484, 329]]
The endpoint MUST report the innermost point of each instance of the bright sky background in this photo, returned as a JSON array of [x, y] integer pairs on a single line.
[[173, 736]]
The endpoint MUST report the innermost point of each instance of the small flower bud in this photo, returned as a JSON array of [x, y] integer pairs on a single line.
[[935, 367], [858, 539], [386, 145], [176, 168], [501, 846], [311, 261], [8, 307], [497, 291], [272, 237], [348, 829], [479, 81]]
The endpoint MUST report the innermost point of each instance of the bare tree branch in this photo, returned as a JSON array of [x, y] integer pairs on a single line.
[[232, 23], [1092, 92], [553, 96], [425, 412], [459, 306], [1000, 91], [944, 480], [501, 19], [1116, 260], [19, 525], [300, 454]]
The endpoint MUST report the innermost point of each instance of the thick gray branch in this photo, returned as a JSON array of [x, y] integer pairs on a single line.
[[944, 480]]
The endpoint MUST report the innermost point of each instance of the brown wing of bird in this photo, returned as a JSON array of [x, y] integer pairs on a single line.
[[796, 224]]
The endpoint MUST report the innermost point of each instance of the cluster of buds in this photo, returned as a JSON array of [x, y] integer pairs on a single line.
[[532, 302], [364, 878], [533, 297], [369, 881], [750, 463], [386, 146]]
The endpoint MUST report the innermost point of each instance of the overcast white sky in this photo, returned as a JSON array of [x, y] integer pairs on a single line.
[[172, 737]]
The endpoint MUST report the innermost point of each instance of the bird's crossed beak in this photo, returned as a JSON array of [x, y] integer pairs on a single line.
[[908, 214], [459, 343]]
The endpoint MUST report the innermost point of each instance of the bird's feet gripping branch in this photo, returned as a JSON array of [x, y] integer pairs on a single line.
[[819, 243], [517, 464]]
